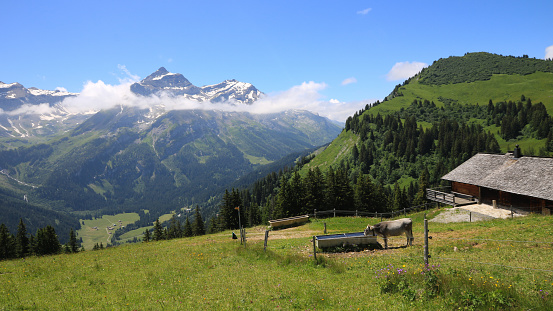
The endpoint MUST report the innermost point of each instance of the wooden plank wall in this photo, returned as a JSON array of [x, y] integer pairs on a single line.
[[465, 189]]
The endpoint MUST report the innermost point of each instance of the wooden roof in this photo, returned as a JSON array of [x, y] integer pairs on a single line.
[[530, 176]]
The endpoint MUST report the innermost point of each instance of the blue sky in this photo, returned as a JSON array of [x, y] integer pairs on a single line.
[[343, 53]]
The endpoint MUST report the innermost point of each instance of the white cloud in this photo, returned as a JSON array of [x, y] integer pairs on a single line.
[[130, 78], [549, 52], [365, 11], [306, 96], [29, 109], [340, 111], [61, 89], [404, 70], [349, 81]]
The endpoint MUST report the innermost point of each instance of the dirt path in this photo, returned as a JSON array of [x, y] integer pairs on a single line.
[[474, 212]]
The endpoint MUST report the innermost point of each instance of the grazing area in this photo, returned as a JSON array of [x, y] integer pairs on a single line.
[[100, 230], [499, 264]]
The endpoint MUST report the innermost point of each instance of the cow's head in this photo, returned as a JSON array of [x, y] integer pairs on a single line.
[[369, 231]]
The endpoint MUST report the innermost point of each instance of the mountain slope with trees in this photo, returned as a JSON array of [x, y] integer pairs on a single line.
[[391, 151], [113, 163]]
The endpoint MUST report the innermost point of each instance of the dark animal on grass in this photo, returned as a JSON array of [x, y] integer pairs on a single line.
[[392, 228]]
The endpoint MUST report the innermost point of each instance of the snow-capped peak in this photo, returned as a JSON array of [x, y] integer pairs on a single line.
[[177, 85]]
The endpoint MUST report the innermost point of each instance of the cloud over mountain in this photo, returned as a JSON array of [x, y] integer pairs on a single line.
[[549, 52], [404, 70], [306, 96]]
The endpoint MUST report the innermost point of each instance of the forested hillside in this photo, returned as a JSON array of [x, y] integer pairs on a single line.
[[480, 67], [390, 152], [116, 161]]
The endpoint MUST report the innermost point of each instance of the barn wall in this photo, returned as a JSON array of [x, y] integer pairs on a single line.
[[488, 195], [465, 189], [506, 200]]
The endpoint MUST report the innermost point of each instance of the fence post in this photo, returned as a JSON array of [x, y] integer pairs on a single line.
[[355, 213], [426, 256], [470, 216], [315, 213], [404, 212], [314, 249], [325, 227], [266, 238], [335, 212]]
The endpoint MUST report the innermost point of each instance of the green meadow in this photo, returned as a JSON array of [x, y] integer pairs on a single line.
[[500, 88], [495, 265], [96, 230]]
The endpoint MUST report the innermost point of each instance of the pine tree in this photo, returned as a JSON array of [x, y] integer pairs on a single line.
[[297, 195], [47, 242], [283, 199], [7, 243], [314, 191], [420, 197], [198, 227], [146, 237], [364, 194], [188, 228], [21, 240], [158, 231], [232, 205], [174, 228], [73, 244]]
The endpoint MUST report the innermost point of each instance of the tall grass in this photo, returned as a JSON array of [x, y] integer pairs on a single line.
[[214, 272]]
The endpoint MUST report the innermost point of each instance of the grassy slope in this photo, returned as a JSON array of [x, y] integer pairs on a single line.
[[336, 151], [537, 86], [92, 236], [214, 272]]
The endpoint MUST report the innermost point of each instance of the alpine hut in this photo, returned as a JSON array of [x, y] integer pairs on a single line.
[[508, 180]]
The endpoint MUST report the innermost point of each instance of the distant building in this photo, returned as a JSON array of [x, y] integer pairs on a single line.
[[511, 180]]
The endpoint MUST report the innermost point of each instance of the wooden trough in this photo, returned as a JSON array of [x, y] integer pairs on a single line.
[[288, 221], [333, 240]]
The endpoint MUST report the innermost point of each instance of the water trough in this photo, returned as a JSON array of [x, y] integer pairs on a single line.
[[290, 221], [354, 238]]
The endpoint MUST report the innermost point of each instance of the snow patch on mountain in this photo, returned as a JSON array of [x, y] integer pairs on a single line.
[[174, 84]]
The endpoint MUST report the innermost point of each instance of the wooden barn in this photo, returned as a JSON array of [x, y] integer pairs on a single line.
[[511, 180]]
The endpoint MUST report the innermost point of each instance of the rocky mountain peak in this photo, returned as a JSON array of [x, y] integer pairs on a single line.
[[177, 85]]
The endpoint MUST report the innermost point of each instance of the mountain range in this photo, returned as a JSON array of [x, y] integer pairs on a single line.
[[177, 85], [87, 163]]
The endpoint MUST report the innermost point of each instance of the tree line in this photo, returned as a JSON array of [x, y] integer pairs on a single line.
[[45, 242], [175, 229], [480, 67]]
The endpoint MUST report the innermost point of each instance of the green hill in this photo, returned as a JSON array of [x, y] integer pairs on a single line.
[[494, 265], [473, 79], [476, 78]]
